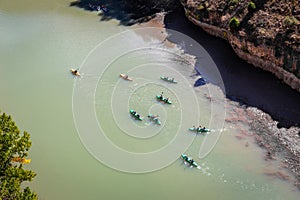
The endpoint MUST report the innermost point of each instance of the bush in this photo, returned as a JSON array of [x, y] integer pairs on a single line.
[[289, 21], [201, 7], [251, 6], [234, 23]]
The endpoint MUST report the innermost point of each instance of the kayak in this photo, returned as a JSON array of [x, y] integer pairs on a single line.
[[199, 130], [136, 115], [154, 119], [125, 77], [188, 160], [170, 80], [75, 72], [160, 98]]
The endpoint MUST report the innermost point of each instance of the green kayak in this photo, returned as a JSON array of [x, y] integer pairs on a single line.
[[166, 100], [154, 119], [188, 160], [199, 130], [170, 80], [136, 115]]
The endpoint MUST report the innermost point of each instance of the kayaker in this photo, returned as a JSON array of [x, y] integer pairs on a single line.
[[75, 71], [186, 159], [192, 161], [199, 128], [126, 76], [161, 96]]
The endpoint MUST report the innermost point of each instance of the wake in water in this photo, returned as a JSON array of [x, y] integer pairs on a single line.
[[203, 168]]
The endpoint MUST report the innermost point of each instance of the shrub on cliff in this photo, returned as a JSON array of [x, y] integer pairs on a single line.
[[251, 6], [201, 7], [234, 24], [289, 21]]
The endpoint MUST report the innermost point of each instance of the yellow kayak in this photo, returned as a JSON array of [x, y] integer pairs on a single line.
[[126, 77], [75, 72]]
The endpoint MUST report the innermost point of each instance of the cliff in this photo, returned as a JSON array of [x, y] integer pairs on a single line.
[[263, 32]]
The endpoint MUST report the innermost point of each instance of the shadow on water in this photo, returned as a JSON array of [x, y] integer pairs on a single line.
[[243, 82], [128, 12]]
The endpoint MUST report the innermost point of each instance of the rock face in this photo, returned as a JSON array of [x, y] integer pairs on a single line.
[[263, 32]]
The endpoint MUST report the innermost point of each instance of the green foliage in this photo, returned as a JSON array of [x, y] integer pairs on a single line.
[[289, 21], [201, 7], [12, 145], [234, 23], [251, 6]]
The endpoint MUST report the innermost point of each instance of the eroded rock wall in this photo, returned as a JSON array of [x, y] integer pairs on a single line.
[[266, 36]]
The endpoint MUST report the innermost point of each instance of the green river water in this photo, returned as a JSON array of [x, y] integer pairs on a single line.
[[41, 40]]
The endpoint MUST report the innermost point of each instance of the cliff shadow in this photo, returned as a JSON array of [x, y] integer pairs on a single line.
[[128, 12], [244, 83]]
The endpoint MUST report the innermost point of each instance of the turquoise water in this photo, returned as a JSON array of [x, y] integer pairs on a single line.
[[40, 41]]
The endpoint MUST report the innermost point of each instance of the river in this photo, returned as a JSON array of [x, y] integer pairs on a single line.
[[41, 41]]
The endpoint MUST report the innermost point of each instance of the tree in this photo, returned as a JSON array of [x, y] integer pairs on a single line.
[[234, 23], [13, 152], [251, 6]]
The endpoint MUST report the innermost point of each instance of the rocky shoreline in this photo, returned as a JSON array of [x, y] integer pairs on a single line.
[[281, 143], [287, 77], [266, 36]]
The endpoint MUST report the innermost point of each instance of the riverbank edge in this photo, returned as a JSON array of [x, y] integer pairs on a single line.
[[280, 143], [287, 77]]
